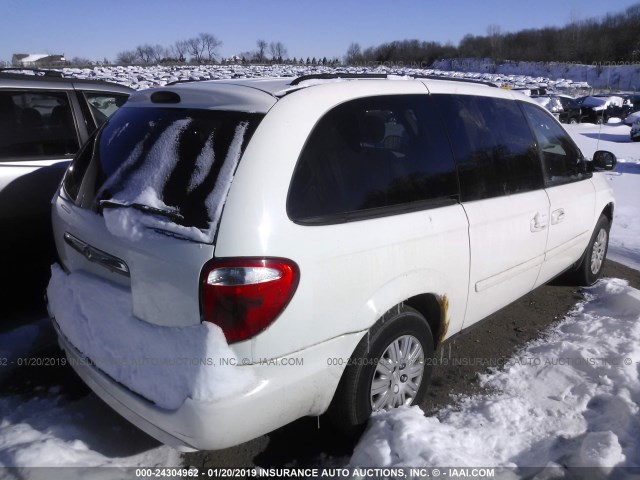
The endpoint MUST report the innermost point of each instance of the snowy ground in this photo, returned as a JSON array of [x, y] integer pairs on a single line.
[[570, 399], [583, 412]]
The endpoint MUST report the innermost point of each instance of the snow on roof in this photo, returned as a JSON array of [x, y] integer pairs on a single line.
[[34, 57]]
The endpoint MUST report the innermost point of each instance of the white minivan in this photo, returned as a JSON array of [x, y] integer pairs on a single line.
[[237, 254]]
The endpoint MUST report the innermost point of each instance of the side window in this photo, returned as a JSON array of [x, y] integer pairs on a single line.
[[369, 154], [36, 124], [561, 159], [492, 145], [101, 105]]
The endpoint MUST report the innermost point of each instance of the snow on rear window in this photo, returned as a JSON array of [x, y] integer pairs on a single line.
[[181, 161], [165, 365], [215, 200], [204, 162], [149, 179]]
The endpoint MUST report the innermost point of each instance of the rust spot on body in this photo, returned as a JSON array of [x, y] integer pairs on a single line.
[[444, 317]]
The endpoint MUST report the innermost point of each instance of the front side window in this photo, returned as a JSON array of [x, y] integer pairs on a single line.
[[492, 145], [561, 159], [36, 124], [370, 156]]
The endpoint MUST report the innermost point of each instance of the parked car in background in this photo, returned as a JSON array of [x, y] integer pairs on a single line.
[[631, 118], [44, 119], [353, 225], [631, 104], [600, 108], [564, 108], [571, 111], [635, 131]]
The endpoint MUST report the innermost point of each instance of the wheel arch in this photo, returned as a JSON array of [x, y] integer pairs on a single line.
[[434, 308], [440, 302], [608, 211]]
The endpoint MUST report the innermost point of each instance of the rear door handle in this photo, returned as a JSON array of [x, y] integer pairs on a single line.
[[557, 216]]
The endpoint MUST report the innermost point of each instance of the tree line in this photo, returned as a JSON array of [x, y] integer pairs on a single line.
[[613, 38], [204, 49]]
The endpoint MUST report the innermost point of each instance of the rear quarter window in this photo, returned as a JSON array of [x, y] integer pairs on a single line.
[[372, 156]]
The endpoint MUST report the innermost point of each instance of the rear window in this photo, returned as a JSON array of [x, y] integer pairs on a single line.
[[178, 160]]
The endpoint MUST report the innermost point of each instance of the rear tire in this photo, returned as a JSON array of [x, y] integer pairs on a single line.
[[388, 368], [592, 262]]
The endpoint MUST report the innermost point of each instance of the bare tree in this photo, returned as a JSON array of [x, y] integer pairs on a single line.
[[210, 46], [145, 53], [179, 50], [195, 50], [158, 53], [127, 57], [262, 48], [203, 47], [494, 32], [354, 54], [278, 51]]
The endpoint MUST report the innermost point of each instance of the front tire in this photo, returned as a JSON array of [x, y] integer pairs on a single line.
[[592, 261], [388, 368]]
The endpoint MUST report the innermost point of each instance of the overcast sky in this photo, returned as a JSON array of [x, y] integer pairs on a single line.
[[97, 29]]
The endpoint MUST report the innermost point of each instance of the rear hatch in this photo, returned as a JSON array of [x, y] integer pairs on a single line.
[[141, 203]]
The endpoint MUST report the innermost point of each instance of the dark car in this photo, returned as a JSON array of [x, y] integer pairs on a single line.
[[571, 111], [565, 109], [634, 105], [44, 119], [600, 108]]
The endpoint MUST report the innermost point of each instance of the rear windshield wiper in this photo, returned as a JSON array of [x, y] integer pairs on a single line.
[[171, 214]]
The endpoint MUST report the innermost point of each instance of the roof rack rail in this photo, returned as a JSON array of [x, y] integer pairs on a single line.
[[38, 71], [331, 76], [463, 80], [187, 80]]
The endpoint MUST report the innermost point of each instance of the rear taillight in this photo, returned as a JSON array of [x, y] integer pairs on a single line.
[[243, 296]]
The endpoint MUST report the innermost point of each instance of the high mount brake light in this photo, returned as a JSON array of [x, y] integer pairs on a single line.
[[243, 296]]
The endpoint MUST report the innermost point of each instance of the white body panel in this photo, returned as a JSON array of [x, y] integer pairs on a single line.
[[164, 291], [351, 273], [507, 237], [571, 222]]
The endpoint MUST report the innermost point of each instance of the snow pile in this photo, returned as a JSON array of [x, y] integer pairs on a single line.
[[163, 364], [570, 399], [50, 431], [624, 242]]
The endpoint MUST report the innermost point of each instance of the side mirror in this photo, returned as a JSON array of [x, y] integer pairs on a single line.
[[603, 160]]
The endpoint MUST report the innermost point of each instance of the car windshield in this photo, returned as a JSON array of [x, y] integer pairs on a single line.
[[179, 161]]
